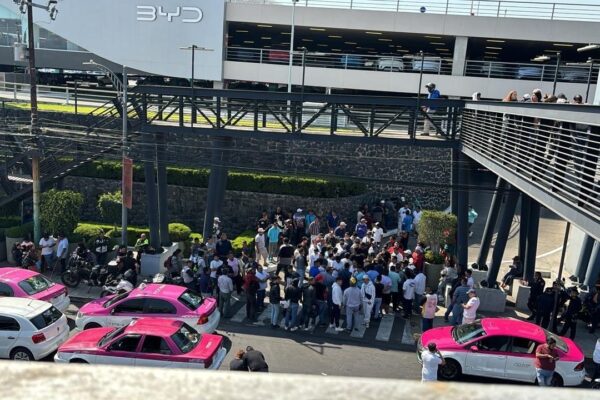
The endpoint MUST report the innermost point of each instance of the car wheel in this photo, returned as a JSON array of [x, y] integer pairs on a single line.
[[91, 325], [78, 361], [557, 380], [450, 371], [21, 354]]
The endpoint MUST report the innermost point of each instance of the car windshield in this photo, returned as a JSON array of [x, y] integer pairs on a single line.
[[46, 318], [191, 300], [464, 333], [560, 344], [186, 338], [110, 336], [115, 299], [35, 284]]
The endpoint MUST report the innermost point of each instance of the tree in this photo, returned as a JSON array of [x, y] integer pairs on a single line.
[[109, 206], [60, 211], [437, 228]]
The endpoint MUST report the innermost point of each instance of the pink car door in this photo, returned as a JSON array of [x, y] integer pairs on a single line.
[[154, 352], [487, 357], [122, 351]]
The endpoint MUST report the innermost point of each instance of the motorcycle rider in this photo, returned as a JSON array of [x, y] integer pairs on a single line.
[[101, 248], [128, 263], [82, 252]]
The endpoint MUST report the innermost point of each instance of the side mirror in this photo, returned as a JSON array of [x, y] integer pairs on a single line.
[[474, 349]]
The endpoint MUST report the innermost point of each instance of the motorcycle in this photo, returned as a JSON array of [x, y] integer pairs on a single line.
[[162, 278], [80, 268]]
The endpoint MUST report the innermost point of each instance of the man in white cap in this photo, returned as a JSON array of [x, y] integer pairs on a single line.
[[340, 231], [261, 248], [433, 94], [470, 312], [367, 292]]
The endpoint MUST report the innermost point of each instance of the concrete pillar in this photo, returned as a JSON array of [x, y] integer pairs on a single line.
[[597, 94], [217, 183], [454, 181], [584, 257], [459, 56], [593, 269], [151, 193], [163, 204], [523, 226], [532, 240], [503, 231], [462, 234], [490, 223]]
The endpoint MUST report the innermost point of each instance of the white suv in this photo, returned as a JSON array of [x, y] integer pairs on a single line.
[[30, 329]]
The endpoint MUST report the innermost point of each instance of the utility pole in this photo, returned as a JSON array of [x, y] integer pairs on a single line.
[[124, 155]]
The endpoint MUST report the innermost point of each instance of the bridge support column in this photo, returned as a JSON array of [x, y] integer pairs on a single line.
[[163, 204], [462, 234], [459, 55], [151, 193], [490, 224], [533, 226], [523, 225], [454, 181], [217, 183], [593, 269], [584, 257], [503, 231]]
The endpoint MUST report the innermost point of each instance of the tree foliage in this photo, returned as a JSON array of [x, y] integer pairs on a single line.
[[109, 206], [437, 228], [60, 211]]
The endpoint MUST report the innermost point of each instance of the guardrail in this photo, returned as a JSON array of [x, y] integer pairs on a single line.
[[390, 63], [585, 73], [549, 147], [482, 8]]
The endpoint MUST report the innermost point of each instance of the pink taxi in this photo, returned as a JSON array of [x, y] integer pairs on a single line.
[[501, 348], [19, 282], [149, 342], [151, 300]]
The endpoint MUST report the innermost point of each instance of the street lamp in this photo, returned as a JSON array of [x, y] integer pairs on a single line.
[[591, 63], [588, 47], [546, 58], [422, 56], [120, 86], [193, 48]]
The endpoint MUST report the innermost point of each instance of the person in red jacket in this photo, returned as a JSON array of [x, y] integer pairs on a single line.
[[251, 286]]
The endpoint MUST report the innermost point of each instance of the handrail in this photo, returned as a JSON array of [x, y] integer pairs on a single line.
[[482, 8]]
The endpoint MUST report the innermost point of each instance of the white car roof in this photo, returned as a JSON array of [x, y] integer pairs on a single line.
[[22, 306]]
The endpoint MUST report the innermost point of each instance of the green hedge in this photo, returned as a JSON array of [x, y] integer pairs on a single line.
[[9, 221], [249, 182], [88, 231], [20, 231], [246, 236]]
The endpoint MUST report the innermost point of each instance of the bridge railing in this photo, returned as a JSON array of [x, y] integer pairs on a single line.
[[554, 148]]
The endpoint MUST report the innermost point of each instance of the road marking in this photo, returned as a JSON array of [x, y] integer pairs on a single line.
[[266, 314], [240, 314], [407, 337], [385, 328], [358, 324]]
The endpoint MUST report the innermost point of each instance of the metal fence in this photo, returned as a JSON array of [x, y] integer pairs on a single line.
[[555, 148], [582, 73], [391, 63], [483, 8]]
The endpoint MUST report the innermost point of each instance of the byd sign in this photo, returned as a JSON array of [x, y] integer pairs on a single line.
[[188, 15]]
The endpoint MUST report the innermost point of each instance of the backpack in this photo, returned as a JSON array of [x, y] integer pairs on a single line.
[[167, 264]]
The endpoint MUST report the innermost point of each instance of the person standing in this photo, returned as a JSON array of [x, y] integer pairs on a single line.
[[395, 288], [546, 357], [225, 289], [47, 244], [314, 228], [255, 360], [569, 317], [433, 94], [337, 298], [101, 248], [431, 359], [275, 300], [309, 307], [420, 282], [62, 251], [472, 216], [536, 288], [293, 296], [260, 247], [352, 302], [429, 309], [251, 288], [215, 264], [596, 359], [262, 277], [409, 294], [367, 292], [273, 234], [223, 247], [544, 306], [459, 298], [470, 309]]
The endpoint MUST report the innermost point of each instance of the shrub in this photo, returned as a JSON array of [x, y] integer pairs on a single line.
[[60, 210], [90, 230], [9, 221], [179, 232], [246, 236], [433, 258], [437, 228], [109, 206], [20, 231], [133, 234]]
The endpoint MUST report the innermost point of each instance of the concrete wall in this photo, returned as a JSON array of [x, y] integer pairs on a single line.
[[454, 25], [405, 82]]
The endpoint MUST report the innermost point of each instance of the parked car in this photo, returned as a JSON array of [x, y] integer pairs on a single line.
[[529, 72], [149, 342], [19, 282], [390, 64], [430, 64], [349, 61], [30, 329], [279, 56], [574, 74], [151, 300], [497, 70], [502, 348]]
